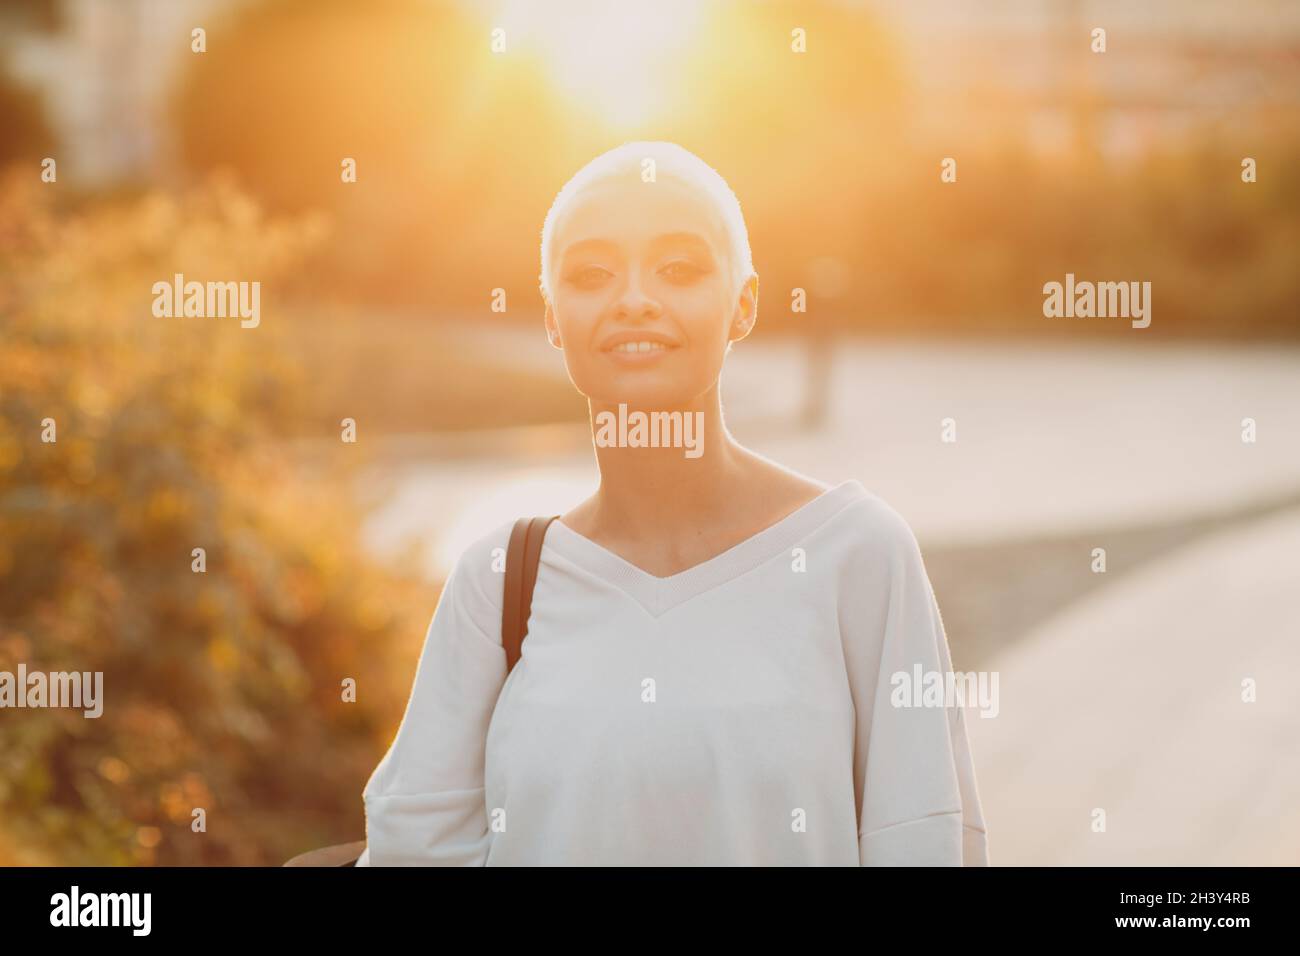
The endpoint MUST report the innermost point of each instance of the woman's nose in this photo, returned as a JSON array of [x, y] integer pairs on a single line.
[[634, 301]]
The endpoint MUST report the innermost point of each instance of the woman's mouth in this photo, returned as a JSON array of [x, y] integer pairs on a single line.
[[630, 347], [638, 346]]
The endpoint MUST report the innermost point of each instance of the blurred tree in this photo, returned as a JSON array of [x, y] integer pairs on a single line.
[[27, 133], [222, 689], [443, 134], [45, 15]]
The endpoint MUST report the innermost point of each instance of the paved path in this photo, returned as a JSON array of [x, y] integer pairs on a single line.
[[1130, 701]]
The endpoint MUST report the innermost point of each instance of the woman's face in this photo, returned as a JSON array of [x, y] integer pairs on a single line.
[[641, 293]]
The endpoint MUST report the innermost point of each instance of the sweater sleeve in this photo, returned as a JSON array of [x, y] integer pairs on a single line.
[[913, 771], [425, 802]]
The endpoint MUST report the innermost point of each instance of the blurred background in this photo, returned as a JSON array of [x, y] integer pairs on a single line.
[[1120, 690]]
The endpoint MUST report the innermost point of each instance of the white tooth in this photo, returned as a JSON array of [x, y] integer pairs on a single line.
[[639, 347]]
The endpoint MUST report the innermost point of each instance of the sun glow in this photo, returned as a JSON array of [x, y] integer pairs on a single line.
[[620, 62]]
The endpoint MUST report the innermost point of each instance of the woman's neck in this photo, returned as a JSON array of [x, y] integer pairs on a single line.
[[695, 469]]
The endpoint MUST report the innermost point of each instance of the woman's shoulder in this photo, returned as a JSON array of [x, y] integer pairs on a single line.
[[486, 553], [857, 517], [870, 525], [477, 578]]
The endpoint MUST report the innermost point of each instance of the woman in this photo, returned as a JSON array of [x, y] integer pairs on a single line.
[[707, 674]]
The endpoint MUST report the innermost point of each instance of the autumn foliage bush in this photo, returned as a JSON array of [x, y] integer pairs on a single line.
[[222, 689]]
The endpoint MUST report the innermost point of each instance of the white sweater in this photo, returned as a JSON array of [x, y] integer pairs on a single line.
[[736, 713]]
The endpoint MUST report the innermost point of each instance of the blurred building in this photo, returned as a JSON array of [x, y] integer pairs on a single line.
[[987, 73], [1003, 71], [105, 68]]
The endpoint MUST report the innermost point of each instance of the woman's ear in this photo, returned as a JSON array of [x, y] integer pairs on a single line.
[[746, 312], [552, 328]]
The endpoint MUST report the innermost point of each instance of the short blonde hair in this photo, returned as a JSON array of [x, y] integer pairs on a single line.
[[671, 161]]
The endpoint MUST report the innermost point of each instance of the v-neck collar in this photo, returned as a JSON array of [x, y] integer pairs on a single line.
[[660, 595]]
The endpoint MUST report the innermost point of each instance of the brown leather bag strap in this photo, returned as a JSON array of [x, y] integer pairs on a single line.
[[522, 558]]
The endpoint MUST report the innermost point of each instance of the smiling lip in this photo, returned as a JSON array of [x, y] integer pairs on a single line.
[[638, 343]]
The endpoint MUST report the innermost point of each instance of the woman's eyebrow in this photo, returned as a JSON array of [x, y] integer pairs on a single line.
[[594, 243], [684, 238], [579, 243]]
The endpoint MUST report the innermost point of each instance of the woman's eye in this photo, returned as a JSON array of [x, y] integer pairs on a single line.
[[681, 270], [589, 276]]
